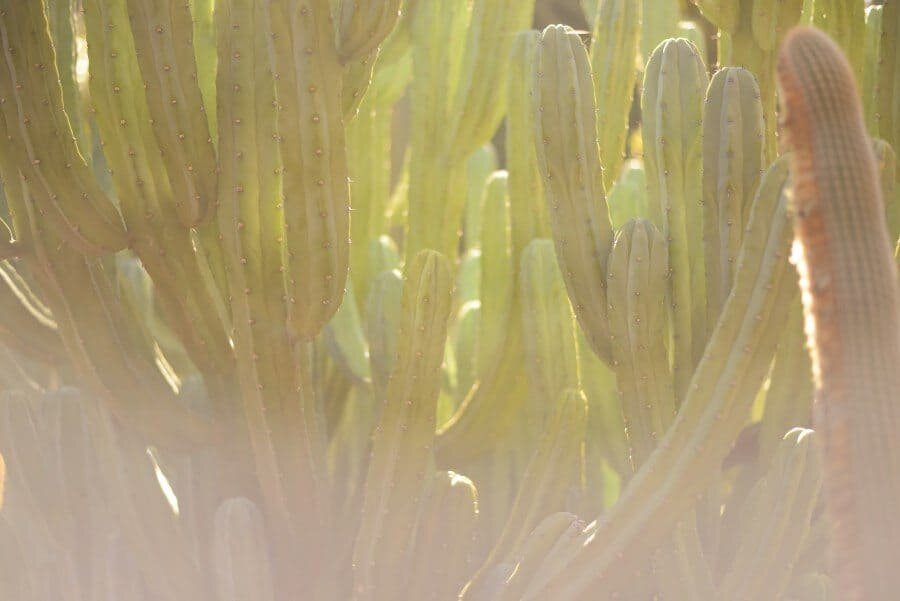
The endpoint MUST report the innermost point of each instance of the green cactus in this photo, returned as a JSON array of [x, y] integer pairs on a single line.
[[275, 273], [854, 345], [673, 156]]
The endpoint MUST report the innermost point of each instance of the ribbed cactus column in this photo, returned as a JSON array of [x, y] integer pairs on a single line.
[[402, 464], [569, 161], [143, 183], [724, 385], [614, 52], [39, 138], [750, 32], [460, 57], [852, 304], [733, 148], [674, 81]]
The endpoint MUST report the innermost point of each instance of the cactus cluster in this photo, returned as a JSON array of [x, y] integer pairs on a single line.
[[403, 299]]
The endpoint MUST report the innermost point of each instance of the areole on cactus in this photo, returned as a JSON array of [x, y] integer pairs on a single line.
[[387, 300]]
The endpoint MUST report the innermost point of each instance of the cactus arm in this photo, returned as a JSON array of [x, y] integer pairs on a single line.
[[887, 169], [871, 64], [445, 540], [479, 167], [437, 30], [568, 158], [273, 371], [346, 341], [628, 197], [776, 521], [315, 189], [368, 161], [526, 195], [548, 325], [733, 137], [845, 22], [163, 39], [613, 55], [240, 552], [674, 81], [636, 281], [40, 139], [141, 182], [402, 459], [844, 258], [382, 323], [497, 273], [789, 398], [888, 109], [709, 418], [479, 103]]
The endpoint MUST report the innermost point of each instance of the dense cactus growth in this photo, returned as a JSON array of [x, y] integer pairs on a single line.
[[392, 300]]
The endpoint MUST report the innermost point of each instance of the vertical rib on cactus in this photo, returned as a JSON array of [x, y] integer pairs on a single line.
[[40, 141], [141, 181], [776, 521], [636, 278], [497, 273], [526, 195], [733, 138], [674, 82], [852, 304], [887, 170], [437, 29], [888, 86], [568, 158], [549, 326], [402, 461], [711, 415], [163, 38], [278, 400], [480, 99], [871, 65], [311, 142], [614, 52], [479, 167], [368, 160], [637, 313], [845, 22]]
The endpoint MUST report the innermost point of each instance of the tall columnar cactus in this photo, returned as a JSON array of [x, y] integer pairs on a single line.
[[274, 274], [845, 261], [568, 159], [674, 80]]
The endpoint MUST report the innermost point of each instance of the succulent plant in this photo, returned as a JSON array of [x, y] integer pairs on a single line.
[[400, 299]]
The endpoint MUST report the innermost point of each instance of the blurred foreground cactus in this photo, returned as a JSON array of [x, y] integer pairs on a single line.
[[285, 318]]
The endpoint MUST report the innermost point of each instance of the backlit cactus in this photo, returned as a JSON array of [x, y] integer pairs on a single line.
[[403, 300]]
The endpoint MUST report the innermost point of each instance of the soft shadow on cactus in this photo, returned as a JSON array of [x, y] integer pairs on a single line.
[[280, 321]]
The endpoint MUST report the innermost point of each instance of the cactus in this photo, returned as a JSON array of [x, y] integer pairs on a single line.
[[275, 274], [854, 345]]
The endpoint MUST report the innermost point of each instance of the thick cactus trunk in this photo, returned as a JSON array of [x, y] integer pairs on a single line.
[[852, 303]]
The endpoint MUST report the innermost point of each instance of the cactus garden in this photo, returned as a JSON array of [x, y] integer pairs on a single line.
[[491, 300]]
